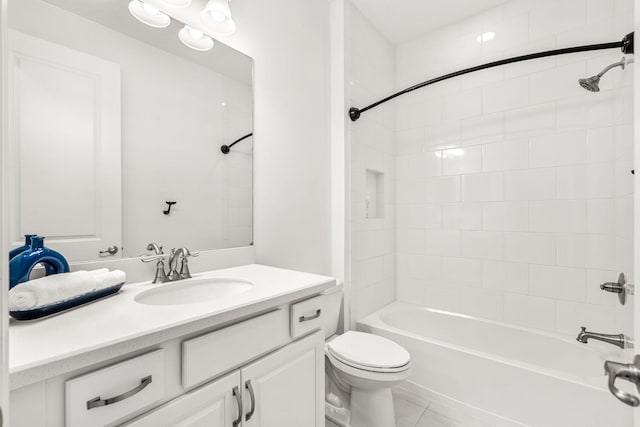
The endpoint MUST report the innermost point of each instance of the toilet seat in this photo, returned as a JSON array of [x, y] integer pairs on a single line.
[[368, 352]]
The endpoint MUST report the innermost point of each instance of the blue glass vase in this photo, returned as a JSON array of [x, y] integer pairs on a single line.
[[27, 245], [21, 265]]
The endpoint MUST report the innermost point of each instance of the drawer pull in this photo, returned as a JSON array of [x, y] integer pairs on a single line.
[[97, 402], [252, 396], [307, 318], [238, 396]]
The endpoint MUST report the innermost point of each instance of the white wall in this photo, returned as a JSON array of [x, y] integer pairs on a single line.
[[370, 77], [289, 41], [170, 138], [514, 192]]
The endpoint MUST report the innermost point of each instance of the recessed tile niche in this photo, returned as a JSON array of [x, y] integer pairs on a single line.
[[374, 195]]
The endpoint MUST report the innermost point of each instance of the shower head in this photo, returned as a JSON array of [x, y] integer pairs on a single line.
[[592, 84]]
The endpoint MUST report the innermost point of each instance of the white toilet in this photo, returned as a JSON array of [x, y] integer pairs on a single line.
[[361, 369]]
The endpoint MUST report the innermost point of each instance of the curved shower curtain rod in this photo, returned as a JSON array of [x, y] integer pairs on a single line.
[[226, 148], [626, 44]]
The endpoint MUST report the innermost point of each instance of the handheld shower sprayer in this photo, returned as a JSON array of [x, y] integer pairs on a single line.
[[592, 84]]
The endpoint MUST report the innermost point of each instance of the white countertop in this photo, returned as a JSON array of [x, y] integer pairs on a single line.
[[119, 318]]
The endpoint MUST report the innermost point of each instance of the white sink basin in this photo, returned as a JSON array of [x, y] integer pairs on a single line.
[[193, 291]]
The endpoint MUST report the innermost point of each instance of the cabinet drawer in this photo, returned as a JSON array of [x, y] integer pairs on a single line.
[[206, 356], [307, 316], [111, 394], [211, 405]]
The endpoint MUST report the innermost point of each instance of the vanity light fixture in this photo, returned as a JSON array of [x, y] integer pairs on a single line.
[[149, 15], [217, 17], [195, 39]]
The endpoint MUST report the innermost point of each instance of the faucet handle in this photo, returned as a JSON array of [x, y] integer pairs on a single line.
[[184, 266], [186, 252], [149, 258], [620, 287], [154, 247], [629, 372]]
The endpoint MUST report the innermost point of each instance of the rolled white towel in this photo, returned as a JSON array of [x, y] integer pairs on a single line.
[[98, 271], [59, 287], [109, 278], [22, 300]]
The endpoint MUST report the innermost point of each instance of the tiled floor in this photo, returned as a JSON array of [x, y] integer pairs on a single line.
[[411, 411]]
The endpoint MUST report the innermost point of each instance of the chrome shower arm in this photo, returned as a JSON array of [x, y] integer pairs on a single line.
[[622, 63]]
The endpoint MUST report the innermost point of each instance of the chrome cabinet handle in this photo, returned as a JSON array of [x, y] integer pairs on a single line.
[[238, 396], [252, 396], [111, 250], [307, 318], [628, 372], [97, 402]]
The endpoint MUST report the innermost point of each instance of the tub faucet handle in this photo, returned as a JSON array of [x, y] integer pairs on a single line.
[[628, 372], [621, 287]]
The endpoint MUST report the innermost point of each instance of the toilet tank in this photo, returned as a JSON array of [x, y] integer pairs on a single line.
[[332, 310]]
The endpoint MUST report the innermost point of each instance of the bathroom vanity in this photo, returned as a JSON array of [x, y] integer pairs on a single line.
[[250, 356]]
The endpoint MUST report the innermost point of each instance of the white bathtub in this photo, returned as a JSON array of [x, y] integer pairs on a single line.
[[513, 374]]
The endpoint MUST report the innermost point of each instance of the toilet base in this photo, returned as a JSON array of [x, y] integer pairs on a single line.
[[372, 408]]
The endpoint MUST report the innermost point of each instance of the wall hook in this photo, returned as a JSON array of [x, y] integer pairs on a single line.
[[168, 211]]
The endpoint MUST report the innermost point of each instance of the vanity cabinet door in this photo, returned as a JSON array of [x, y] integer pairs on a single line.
[[212, 405], [285, 389]]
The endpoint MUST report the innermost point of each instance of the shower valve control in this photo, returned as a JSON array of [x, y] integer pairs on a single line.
[[628, 372], [621, 288]]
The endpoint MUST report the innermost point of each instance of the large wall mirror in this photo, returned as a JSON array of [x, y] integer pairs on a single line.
[[111, 121]]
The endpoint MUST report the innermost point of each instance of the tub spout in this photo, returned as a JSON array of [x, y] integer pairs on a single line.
[[619, 340]]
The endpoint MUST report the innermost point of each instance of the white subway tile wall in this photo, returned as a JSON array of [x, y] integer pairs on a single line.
[[514, 196], [373, 240], [237, 168]]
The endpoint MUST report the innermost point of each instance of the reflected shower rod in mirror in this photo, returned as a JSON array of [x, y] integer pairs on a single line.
[[226, 148], [626, 45]]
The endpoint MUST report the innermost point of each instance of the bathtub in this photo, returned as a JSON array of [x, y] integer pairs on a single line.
[[504, 374]]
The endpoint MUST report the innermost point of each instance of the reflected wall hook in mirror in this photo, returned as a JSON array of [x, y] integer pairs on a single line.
[[168, 211], [226, 148]]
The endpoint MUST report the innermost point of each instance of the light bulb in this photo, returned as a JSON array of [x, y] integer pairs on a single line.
[[195, 34], [149, 15], [151, 10], [195, 39], [217, 8], [217, 16], [224, 28]]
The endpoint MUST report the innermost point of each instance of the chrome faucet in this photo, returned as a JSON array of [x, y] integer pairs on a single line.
[[160, 276], [180, 254], [619, 340]]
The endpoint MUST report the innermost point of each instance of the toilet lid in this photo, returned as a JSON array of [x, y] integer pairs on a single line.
[[368, 350]]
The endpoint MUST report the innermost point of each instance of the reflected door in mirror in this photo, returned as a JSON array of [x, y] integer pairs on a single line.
[[65, 121]]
